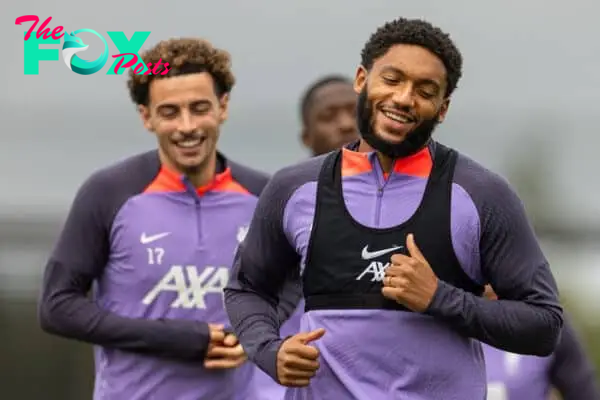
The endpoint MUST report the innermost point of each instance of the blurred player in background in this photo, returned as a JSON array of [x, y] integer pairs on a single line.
[[328, 115], [155, 236], [520, 377]]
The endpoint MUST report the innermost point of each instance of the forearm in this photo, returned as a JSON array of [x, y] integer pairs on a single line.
[[64, 310], [289, 298], [261, 293], [516, 326], [256, 323]]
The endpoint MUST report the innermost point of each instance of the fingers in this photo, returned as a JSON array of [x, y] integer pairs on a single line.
[[398, 281], [228, 353], [298, 344], [489, 293], [413, 250], [294, 382], [392, 293], [297, 367], [402, 270], [224, 363], [297, 361], [225, 352], [230, 340], [296, 371], [414, 257], [216, 332], [216, 327], [303, 351], [401, 259], [311, 336]]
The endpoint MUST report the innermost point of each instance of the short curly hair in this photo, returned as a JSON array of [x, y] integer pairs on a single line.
[[185, 56], [420, 33]]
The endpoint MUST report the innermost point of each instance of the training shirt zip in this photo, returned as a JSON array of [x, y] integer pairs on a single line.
[[192, 190], [381, 183]]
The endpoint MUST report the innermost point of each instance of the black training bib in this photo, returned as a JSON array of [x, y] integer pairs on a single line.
[[346, 261]]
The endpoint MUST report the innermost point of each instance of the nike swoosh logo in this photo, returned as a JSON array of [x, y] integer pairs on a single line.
[[149, 239], [368, 255]]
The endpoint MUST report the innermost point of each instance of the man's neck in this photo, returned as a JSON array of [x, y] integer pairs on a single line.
[[203, 175], [387, 163], [199, 176]]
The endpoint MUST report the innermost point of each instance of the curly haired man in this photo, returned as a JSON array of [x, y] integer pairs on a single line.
[[154, 237], [396, 236]]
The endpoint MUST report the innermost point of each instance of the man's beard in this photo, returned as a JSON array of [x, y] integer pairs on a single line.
[[414, 141]]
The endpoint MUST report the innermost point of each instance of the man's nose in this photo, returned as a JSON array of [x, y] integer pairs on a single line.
[[403, 96], [186, 124], [347, 123]]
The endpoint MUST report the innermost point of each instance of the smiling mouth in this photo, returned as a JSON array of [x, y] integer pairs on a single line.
[[190, 143], [402, 118]]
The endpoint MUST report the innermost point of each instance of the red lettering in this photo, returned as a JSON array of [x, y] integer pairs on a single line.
[[56, 30], [160, 67], [28, 18], [166, 70], [43, 31], [157, 67], [138, 68], [35, 19], [128, 64], [148, 72]]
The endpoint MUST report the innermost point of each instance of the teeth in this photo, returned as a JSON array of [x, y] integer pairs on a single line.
[[189, 143], [396, 117]]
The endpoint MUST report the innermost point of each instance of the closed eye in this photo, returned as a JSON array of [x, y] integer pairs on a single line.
[[426, 94], [391, 81]]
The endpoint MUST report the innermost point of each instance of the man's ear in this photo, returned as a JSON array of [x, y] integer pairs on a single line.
[[360, 79], [144, 113], [444, 110], [224, 105], [306, 139]]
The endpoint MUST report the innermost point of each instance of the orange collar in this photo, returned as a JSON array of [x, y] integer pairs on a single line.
[[418, 164], [168, 180]]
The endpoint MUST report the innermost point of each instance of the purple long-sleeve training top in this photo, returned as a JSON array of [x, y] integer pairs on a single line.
[[157, 253], [493, 242]]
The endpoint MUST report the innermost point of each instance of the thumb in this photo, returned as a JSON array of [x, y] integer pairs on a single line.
[[230, 340], [413, 250], [215, 332], [312, 336], [216, 327]]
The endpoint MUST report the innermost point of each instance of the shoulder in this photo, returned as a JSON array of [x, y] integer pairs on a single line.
[[506, 231], [488, 190], [288, 180], [273, 202], [251, 179], [132, 174], [107, 188]]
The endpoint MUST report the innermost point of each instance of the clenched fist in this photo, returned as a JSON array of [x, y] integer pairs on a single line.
[[224, 350], [297, 361], [409, 280]]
